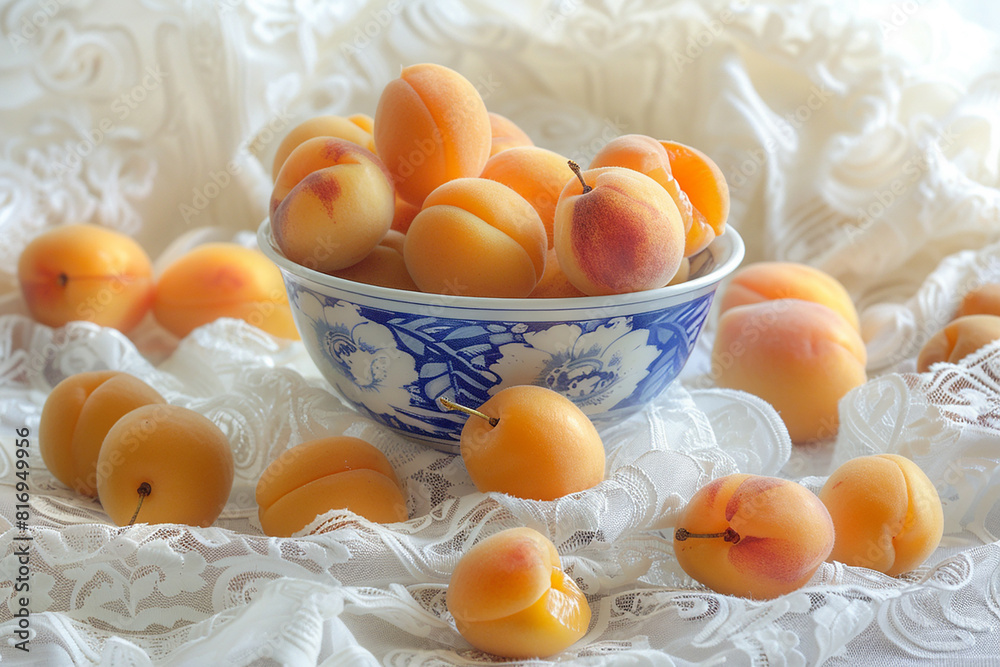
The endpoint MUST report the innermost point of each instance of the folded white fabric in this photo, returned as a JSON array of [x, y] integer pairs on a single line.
[[860, 139]]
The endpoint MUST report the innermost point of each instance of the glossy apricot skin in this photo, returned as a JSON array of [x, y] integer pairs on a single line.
[[329, 473], [784, 535], [624, 235], [799, 356], [431, 126], [506, 134], [544, 447], [763, 281], [537, 174], [76, 417], [85, 272], [216, 280], [958, 339], [356, 129], [476, 237], [384, 265], [332, 202], [886, 513], [510, 597], [184, 458]]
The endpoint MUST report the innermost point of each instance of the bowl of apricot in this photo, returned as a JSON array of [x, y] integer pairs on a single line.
[[434, 252], [392, 353]]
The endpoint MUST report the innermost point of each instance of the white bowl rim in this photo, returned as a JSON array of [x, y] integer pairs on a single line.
[[730, 241]]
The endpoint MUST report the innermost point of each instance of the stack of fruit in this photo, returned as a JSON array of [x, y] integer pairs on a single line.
[[439, 195]]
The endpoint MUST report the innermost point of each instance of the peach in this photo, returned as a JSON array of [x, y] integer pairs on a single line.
[[164, 464], [78, 414], [329, 473], [333, 201], [223, 280], [383, 266], [431, 126], [356, 129], [530, 442], [617, 231], [753, 536], [476, 237], [799, 356], [509, 596], [960, 338], [85, 272], [984, 300], [506, 134], [696, 172], [554, 284], [706, 188], [763, 281], [886, 513], [647, 156], [537, 174]]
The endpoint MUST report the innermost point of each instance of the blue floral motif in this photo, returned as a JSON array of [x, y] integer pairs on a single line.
[[371, 369], [395, 366], [596, 369]]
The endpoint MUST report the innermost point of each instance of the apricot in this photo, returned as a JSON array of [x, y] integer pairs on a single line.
[[431, 126], [164, 464], [554, 284], [223, 280], [78, 414], [753, 536], [763, 281], [799, 356], [366, 123], [505, 133], [706, 188], [537, 174], [85, 272], [384, 265], [476, 237], [510, 597], [329, 473], [531, 442], [683, 272], [616, 231], [984, 300], [960, 338], [403, 215], [332, 202], [356, 129], [886, 513]]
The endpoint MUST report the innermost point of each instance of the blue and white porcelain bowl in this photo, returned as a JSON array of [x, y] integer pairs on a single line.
[[393, 353]]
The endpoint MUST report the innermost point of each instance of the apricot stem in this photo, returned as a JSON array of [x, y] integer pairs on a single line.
[[729, 535], [579, 174], [451, 405], [63, 279], [144, 490]]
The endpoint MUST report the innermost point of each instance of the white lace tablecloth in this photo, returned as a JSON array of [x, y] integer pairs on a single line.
[[863, 139]]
